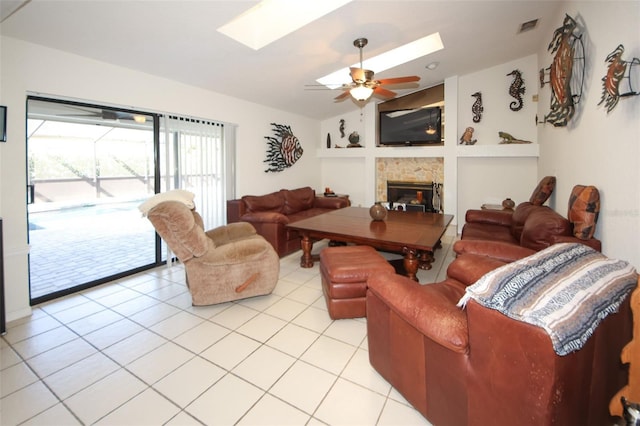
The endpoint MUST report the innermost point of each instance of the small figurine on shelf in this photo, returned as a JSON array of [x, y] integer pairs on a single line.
[[507, 138], [354, 139], [467, 137]]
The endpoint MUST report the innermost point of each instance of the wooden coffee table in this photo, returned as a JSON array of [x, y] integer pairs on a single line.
[[415, 234]]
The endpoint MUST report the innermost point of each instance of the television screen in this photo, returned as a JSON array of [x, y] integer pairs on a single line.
[[419, 126]]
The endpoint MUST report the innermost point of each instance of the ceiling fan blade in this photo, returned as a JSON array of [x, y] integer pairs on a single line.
[[342, 96], [399, 80], [381, 91]]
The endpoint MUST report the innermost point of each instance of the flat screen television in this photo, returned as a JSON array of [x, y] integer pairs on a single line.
[[411, 127]]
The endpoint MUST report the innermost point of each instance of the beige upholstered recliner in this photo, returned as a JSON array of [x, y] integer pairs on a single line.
[[226, 263]]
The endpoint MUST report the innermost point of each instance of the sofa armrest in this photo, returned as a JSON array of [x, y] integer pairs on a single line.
[[499, 250], [265, 217], [469, 268], [235, 209], [431, 309], [494, 217], [231, 232], [331, 202], [591, 242]]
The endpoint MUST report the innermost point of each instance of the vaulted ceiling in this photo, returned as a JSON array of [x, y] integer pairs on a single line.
[[179, 40]]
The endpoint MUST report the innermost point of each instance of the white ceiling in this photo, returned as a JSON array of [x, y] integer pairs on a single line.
[[178, 40]]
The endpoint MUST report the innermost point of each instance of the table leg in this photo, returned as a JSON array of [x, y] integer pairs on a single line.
[[426, 259], [411, 263], [306, 260]]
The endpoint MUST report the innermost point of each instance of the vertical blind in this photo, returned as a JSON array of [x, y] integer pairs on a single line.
[[194, 160]]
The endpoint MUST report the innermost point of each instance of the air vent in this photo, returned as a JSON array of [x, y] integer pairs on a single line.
[[529, 25]]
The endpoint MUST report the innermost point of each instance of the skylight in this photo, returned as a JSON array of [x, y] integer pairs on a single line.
[[387, 60], [270, 20]]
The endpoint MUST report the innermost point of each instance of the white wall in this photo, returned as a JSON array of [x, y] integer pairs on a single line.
[[27, 68], [597, 148], [491, 179]]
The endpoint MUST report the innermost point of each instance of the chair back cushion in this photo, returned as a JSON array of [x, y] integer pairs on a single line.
[[543, 190], [584, 208], [542, 227], [296, 200], [176, 224]]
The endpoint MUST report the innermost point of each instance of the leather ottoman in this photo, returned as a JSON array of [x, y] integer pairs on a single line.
[[344, 272]]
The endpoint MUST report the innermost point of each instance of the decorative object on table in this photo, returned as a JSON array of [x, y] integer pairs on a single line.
[[341, 128], [354, 139], [328, 140], [377, 211], [508, 204], [283, 150], [507, 138], [617, 71], [467, 137], [516, 90], [477, 107], [566, 73]]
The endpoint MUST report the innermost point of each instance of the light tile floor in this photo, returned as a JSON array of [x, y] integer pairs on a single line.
[[136, 352]]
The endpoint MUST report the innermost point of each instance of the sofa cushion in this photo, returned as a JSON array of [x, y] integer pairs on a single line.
[[296, 200], [541, 228], [519, 217], [543, 191], [584, 208], [269, 202]]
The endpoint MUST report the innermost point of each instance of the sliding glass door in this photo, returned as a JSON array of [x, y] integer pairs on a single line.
[[89, 168]]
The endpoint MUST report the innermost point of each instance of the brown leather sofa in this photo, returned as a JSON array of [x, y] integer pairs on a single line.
[[270, 214], [476, 366], [506, 235], [531, 226]]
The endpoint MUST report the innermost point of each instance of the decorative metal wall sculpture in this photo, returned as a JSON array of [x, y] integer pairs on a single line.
[[477, 107], [617, 71], [516, 90], [566, 73], [284, 150]]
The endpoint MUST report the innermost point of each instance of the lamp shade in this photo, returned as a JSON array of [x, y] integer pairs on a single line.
[[361, 92]]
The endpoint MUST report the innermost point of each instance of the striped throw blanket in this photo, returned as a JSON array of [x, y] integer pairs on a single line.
[[566, 289]]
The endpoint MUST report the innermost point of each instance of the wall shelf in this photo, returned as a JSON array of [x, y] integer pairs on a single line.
[[499, 150]]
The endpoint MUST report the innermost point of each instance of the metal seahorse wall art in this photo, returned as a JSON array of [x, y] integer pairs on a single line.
[[516, 90], [566, 73], [283, 150], [618, 71], [477, 107]]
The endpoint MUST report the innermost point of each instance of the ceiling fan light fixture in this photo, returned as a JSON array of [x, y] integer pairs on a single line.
[[361, 92]]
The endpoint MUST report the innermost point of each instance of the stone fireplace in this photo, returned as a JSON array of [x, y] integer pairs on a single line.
[[414, 174]]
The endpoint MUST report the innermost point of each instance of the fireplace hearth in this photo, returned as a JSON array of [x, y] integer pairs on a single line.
[[403, 195]]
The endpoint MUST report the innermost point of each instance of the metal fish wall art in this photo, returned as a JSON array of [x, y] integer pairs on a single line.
[[566, 73], [283, 150], [617, 71]]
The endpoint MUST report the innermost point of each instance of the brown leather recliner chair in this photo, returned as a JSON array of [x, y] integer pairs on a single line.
[[223, 264], [476, 366]]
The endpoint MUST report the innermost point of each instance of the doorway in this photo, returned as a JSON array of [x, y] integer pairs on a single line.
[[89, 167]]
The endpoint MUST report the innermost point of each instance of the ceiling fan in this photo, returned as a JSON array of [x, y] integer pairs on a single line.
[[105, 114], [363, 85]]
